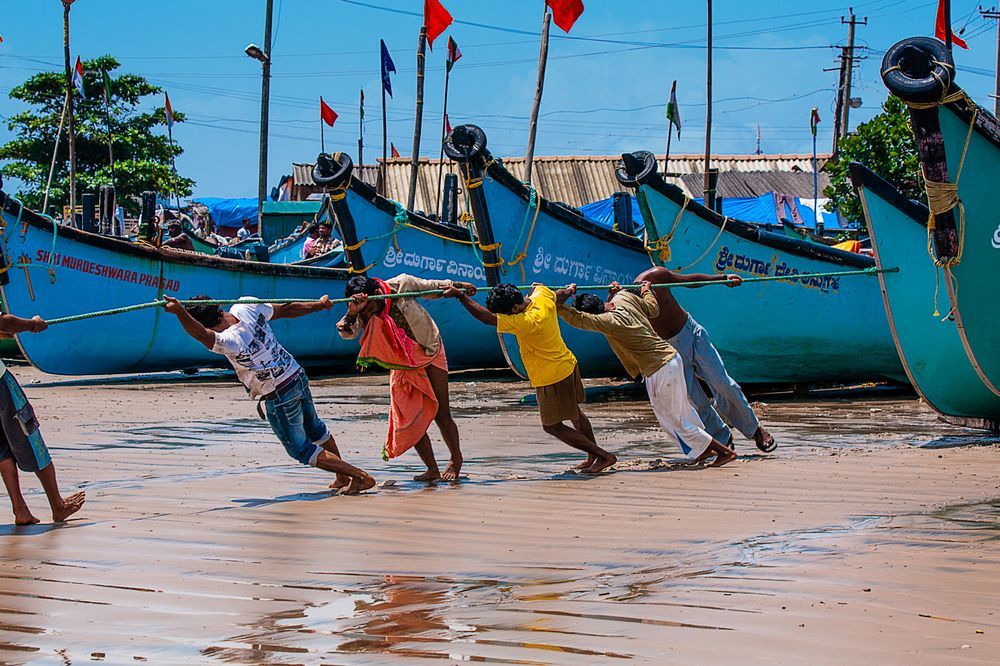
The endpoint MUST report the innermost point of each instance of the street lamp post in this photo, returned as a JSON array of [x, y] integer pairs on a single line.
[[264, 56]]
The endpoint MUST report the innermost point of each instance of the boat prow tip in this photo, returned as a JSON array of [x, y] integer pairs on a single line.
[[635, 168]]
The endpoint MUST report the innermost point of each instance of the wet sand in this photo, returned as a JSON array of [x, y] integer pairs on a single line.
[[870, 536]]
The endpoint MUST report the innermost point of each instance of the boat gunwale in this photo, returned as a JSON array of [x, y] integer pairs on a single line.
[[862, 176], [753, 232], [422, 222], [9, 206]]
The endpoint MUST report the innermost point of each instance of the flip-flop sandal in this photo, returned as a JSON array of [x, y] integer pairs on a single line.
[[768, 447]]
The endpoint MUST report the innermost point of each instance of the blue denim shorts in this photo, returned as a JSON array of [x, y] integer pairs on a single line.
[[293, 419]]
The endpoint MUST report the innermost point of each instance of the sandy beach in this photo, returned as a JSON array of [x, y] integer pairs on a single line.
[[870, 536]]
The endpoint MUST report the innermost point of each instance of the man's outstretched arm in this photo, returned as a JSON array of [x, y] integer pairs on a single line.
[[293, 310], [474, 308], [12, 325], [662, 275], [190, 324]]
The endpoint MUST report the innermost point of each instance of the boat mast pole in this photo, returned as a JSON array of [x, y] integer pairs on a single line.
[[55, 152], [418, 120], [361, 127], [385, 147], [69, 110], [947, 24], [444, 132], [543, 56], [708, 194]]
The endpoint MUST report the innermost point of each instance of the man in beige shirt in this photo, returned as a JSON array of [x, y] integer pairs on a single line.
[[412, 319], [625, 321]]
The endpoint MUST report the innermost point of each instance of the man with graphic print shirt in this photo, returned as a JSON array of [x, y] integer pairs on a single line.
[[270, 374]]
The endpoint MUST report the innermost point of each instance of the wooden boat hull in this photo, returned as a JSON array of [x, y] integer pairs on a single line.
[[930, 346], [820, 330], [91, 272]]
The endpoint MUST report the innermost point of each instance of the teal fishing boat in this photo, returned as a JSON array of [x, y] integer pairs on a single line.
[[958, 143], [813, 330], [929, 344]]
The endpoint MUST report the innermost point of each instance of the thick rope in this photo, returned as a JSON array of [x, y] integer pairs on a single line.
[[438, 292]]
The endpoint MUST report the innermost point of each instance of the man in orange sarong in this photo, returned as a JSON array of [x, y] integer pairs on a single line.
[[400, 335]]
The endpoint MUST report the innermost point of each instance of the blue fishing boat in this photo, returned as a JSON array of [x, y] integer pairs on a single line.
[[958, 143], [818, 329], [54, 271], [929, 345]]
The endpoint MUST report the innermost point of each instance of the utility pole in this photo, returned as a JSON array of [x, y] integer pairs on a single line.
[[847, 59], [265, 95], [994, 14]]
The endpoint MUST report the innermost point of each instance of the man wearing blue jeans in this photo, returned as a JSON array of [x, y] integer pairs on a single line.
[[703, 362], [270, 374]]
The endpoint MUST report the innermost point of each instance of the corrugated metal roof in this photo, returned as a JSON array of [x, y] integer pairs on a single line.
[[579, 180]]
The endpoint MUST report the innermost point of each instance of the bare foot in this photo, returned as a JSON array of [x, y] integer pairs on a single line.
[[25, 518], [357, 486], [723, 459], [601, 464], [585, 464], [342, 482], [453, 469], [428, 476], [71, 505], [765, 441]]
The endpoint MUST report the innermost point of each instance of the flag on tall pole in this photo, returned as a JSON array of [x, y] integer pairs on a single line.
[[814, 121], [387, 67], [106, 86], [674, 111], [395, 153], [78, 77], [327, 116], [436, 20], [814, 125], [361, 126], [758, 139], [447, 124], [454, 54], [168, 110], [565, 12], [942, 27]]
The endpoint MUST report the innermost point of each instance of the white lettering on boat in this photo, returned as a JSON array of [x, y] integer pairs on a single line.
[[109, 272], [397, 258], [728, 260], [575, 270], [996, 239]]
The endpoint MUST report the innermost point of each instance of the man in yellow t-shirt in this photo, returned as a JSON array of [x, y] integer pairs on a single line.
[[552, 368]]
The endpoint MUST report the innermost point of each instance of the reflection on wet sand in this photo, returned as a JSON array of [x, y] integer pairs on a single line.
[[202, 542]]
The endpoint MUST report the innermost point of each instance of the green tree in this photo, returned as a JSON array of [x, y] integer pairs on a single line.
[[142, 156], [884, 144]]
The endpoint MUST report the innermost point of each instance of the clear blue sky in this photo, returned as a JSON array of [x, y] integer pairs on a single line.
[[601, 97]]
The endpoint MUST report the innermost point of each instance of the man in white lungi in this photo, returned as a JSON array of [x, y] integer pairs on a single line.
[[625, 320]]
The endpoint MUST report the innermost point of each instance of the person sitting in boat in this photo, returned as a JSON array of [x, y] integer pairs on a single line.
[[179, 239], [400, 335], [245, 231], [552, 368], [271, 375], [702, 361], [625, 321], [21, 444], [313, 231], [325, 242]]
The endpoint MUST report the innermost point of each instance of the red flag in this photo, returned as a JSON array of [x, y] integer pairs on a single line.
[[436, 19], [447, 124], [328, 115], [168, 110], [395, 153], [941, 27], [565, 12]]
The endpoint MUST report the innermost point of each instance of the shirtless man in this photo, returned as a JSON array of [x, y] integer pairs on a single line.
[[178, 238], [21, 444], [702, 360]]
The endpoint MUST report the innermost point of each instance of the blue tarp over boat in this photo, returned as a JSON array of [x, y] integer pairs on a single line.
[[761, 210], [230, 212]]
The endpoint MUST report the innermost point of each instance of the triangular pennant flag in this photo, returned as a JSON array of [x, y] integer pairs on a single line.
[[106, 81], [395, 153], [941, 27], [454, 54], [447, 124], [78, 77], [326, 114], [565, 12], [814, 120], [387, 67], [361, 105], [168, 109], [436, 20]]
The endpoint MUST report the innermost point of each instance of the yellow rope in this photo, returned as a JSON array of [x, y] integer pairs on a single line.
[[356, 246], [489, 248], [662, 244], [488, 264], [473, 183], [725, 220], [523, 254], [943, 197], [352, 269], [338, 194]]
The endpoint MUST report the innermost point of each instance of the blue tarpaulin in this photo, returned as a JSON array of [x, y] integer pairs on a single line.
[[230, 212], [760, 210]]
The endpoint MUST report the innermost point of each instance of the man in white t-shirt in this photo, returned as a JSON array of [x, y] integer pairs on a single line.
[[270, 374]]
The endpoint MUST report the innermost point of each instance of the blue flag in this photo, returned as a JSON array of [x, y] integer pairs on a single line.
[[387, 66]]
